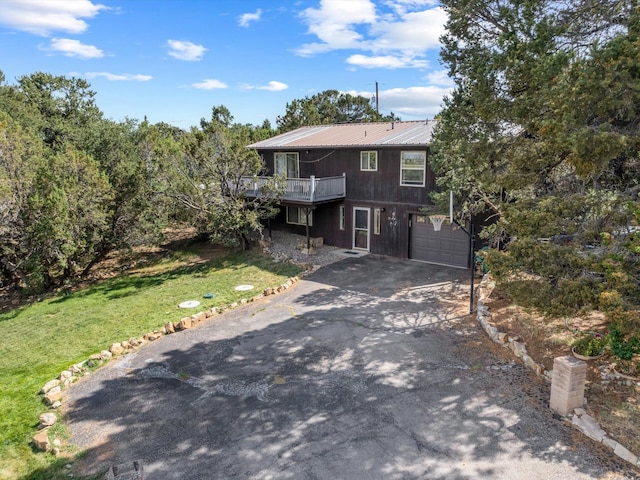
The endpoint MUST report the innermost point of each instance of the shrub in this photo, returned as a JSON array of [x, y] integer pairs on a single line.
[[623, 348]]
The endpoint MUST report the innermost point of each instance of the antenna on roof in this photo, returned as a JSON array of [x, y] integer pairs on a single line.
[[377, 106]]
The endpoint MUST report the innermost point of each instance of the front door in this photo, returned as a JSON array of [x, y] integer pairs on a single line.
[[361, 228]]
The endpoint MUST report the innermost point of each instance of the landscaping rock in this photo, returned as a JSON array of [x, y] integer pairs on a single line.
[[65, 374], [41, 441], [625, 454], [50, 385], [184, 323], [105, 355], [589, 427], [56, 404], [77, 368], [68, 381], [47, 419], [53, 395], [116, 348]]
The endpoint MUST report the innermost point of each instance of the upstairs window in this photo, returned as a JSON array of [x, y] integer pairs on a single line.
[[287, 164], [413, 166], [369, 161]]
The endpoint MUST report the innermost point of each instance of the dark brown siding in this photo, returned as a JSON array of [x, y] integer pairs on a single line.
[[379, 189], [382, 185]]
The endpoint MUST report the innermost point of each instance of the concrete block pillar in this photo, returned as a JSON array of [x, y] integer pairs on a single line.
[[567, 386]]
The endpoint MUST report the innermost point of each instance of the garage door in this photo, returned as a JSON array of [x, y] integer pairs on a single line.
[[449, 246]]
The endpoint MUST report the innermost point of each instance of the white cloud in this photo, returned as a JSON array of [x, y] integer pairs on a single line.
[[246, 18], [43, 17], [73, 48], [412, 32], [397, 33], [209, 84], [335, 22], [416, 102], [119, 77], [274, 86], [440, 77], [183, 50], [401, 6], [386, 61]]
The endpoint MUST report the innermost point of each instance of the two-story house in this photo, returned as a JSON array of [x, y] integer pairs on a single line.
[[364, 187]]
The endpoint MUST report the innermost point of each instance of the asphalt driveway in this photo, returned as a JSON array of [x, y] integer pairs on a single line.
[[367, 369]]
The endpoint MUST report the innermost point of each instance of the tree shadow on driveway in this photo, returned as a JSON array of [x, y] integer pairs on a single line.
[[327, 380]]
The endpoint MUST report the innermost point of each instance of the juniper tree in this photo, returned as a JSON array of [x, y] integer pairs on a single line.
[[541, 134]]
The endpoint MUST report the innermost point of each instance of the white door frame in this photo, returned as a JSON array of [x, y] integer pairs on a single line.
[[368, 229]]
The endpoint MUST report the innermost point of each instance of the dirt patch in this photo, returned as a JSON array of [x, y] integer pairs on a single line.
[[614, 403]]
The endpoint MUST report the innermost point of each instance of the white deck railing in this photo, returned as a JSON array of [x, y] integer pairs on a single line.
[[310, 189]]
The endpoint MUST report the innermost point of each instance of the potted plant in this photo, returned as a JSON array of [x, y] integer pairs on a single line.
[[589, 346], [629, 369]]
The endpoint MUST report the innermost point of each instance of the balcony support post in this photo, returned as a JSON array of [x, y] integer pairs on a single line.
[[312, 188]]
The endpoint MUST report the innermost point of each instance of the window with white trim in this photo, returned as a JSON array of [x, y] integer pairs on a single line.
[[287, 164], [369, 161], [342, 217], [296, 216], [413, 167]]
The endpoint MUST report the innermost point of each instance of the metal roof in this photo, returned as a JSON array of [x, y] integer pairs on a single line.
[[386, 134]]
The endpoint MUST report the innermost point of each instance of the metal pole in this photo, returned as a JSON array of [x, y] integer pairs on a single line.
[[471, 236], [306, 214], [473, 266]]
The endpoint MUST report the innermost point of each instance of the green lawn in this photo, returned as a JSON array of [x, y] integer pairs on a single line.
[[40, 340]]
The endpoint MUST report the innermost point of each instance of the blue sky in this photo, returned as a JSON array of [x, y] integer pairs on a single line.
[[173, 60]]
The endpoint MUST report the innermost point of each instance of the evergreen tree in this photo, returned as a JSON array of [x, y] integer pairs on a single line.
[[330, 106], [541, 135]]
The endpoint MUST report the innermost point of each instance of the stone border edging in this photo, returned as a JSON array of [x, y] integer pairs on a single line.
[[579, 418], [52, 390]]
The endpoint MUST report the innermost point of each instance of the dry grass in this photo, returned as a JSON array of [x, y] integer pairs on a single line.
[[615, 404]]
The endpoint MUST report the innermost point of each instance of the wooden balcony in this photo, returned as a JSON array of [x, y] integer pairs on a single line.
[[303, 191]]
